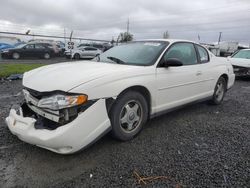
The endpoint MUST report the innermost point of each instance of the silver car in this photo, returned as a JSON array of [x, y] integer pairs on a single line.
[[83, 52]]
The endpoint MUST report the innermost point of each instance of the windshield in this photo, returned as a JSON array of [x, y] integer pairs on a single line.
[[245, 54], [134, 53], [20, 45]]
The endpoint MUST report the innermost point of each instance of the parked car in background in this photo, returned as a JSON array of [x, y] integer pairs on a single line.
[[227, 48], [95, 45], [83, 52], [241, 62], [5, 46], [35, 50], [68, 106]]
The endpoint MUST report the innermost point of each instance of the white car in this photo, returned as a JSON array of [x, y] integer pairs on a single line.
[[83, 52], [241, 62], [68, 106]]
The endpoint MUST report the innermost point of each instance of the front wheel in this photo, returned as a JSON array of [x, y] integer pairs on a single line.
[[128, 115], [77, 56], [15, 55], [219, 91], [46, 55]]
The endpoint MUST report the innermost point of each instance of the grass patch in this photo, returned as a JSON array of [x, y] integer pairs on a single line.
[[8, 69]]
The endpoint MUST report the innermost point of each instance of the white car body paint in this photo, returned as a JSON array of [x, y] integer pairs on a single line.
[[168, 87], [241, 65], [84, 52], [240, 62]]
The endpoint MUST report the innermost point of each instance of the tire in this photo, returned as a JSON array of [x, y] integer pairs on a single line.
[[15, 55], [46, 55], [219, 91], [77, 56], [128, 115]]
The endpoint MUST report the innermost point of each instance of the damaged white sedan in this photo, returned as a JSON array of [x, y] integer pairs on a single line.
[[68, 106]]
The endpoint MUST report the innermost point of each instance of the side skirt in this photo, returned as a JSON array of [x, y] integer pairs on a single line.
[[178, 107]]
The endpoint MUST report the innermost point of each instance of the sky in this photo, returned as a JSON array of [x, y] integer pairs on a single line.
[[148, 19]]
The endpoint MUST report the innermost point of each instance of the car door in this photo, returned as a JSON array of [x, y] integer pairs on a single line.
[[207, 71], [178, 85], [39, 50], [92, 51], [28, 50], [86, 52]]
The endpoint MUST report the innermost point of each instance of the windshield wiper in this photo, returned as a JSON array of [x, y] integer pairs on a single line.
[[117, 60]]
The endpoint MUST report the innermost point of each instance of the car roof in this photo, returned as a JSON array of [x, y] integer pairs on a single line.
[[46, 43], [168, 40], [244, 50]]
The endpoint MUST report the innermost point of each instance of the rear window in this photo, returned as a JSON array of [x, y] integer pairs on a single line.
[[203, 54]]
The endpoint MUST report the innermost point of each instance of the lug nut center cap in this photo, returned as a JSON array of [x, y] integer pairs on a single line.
[[131, 116]]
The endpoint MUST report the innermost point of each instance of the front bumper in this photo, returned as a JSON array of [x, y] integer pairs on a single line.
[[5, 55], [241, 71], [66, 139]]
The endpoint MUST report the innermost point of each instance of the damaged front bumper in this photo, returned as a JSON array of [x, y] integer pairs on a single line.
[[87, 127], [241, 71]]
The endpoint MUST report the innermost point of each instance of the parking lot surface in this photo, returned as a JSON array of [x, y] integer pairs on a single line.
[[197, 146]]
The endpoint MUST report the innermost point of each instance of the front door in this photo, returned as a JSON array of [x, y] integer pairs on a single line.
[[178, 85]]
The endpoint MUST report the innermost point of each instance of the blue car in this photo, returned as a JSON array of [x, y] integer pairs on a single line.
[[5, 46]]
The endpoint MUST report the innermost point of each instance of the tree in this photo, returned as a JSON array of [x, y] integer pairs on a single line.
[[166, 35], [125, 37]]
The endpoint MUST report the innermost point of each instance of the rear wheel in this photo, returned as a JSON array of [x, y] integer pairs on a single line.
[[46, 55], [128, 115], [16, 55], [77, 56], [219, 91]]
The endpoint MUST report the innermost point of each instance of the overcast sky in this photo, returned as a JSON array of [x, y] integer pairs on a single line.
[[104, 19]]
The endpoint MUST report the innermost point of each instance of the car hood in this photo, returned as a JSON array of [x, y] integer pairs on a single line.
[[65, 76], [240, 62]]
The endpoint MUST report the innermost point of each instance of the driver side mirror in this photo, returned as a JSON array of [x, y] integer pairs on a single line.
[[172, 62]]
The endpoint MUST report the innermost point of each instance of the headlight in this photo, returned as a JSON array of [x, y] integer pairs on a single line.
[[5, 51], [57, 102]]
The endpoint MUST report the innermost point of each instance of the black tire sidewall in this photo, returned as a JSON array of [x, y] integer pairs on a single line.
[[117, 131], [77, 56]]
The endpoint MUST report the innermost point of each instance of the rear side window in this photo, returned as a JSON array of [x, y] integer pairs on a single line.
[[29, 46], [90, 49], [185, 52], [204, 58], [39, 46]]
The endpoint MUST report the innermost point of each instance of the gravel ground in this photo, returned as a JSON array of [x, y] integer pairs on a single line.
[[198, 146]]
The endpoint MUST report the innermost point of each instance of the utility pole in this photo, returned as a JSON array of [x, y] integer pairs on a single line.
[[126, 34], [128, 26], [64, 31], [219, 38]]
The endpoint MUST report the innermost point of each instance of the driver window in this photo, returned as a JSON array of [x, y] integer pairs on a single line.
[[185, 52], [29, 46]]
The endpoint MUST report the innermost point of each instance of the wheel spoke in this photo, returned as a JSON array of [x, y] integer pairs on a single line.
[[135, 107], [124, 119], [128, 108], [130, 126], [137, 118], [219, 87]]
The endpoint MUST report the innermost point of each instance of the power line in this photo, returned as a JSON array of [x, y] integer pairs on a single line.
[[50, 36]]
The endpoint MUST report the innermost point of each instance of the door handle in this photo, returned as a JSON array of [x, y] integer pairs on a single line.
[[198, 73]]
